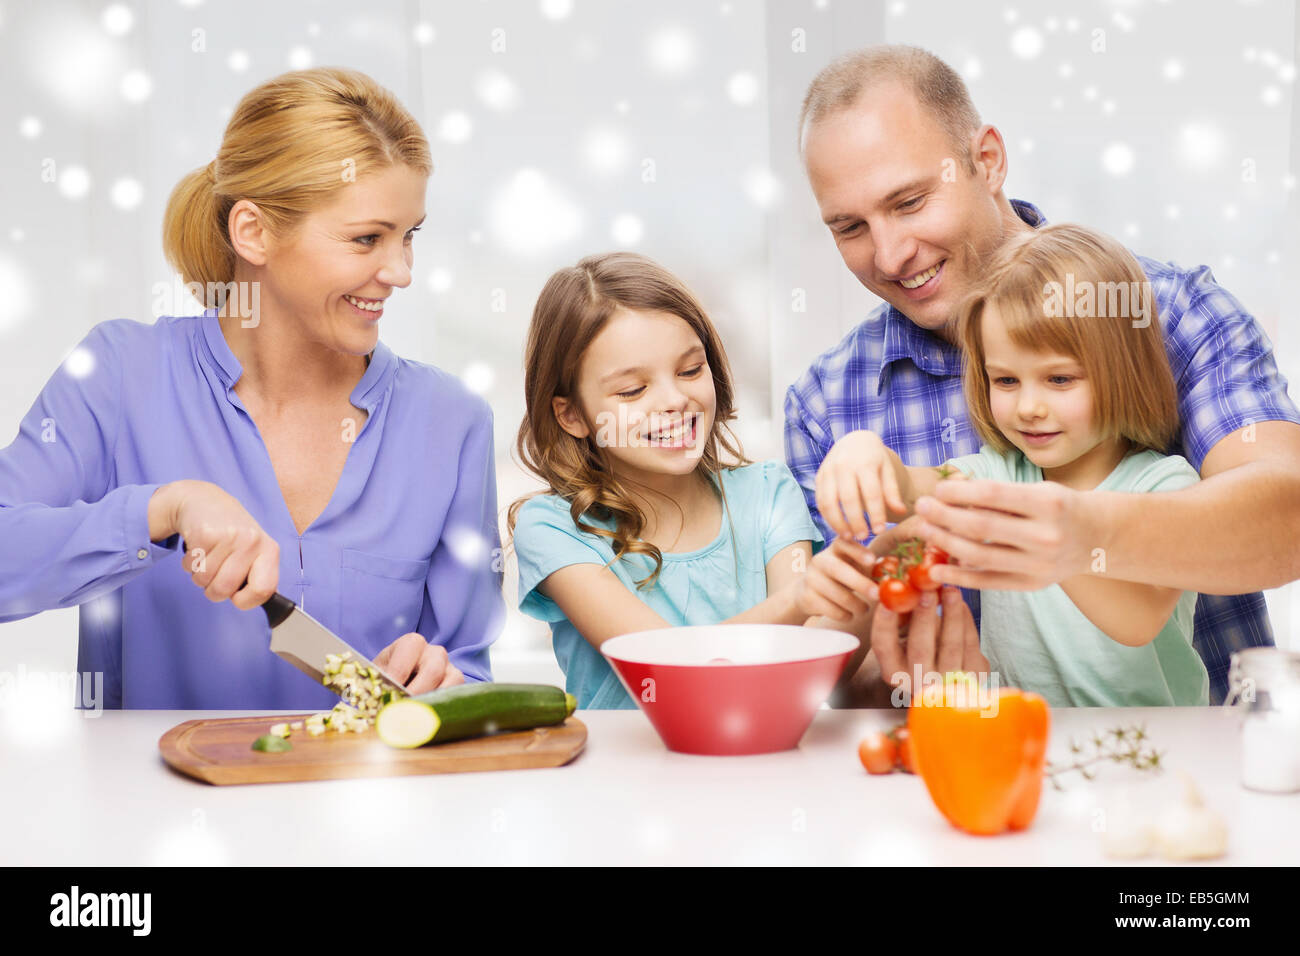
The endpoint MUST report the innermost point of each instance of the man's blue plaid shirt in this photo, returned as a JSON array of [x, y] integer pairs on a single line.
[[904, 383]]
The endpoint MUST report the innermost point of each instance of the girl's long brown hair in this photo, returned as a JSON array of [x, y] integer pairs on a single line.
[[571, 311]]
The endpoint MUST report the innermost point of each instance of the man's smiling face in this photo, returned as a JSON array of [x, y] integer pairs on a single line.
[[911, 220]]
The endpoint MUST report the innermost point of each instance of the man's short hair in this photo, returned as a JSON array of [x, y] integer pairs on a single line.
[[935, 84]]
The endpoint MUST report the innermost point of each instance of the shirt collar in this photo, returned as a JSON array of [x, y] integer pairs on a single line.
[[366, 394], [904, 339]]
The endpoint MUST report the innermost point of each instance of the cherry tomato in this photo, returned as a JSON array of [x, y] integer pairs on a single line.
[[903, 741], [918, 575], [878, 753], [885, 567], [898, 596], [936, 554]]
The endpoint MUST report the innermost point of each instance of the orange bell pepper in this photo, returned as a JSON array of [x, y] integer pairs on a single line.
[[984, 769]]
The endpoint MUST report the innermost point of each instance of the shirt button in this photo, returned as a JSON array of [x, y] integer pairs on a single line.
[[142, 554]]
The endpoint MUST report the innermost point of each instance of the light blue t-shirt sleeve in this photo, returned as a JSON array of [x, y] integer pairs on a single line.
[[986, 463], [546, 539], [1166, 473], [788, 519]]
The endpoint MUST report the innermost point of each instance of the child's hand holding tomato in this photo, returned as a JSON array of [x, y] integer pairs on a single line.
[[858, 476], [836, 584]]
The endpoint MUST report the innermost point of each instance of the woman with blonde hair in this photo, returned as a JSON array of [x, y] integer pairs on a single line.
[[274, 439]]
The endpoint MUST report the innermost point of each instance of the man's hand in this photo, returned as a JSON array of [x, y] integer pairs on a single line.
[[419, 665], [933, 643], [1008, 536]]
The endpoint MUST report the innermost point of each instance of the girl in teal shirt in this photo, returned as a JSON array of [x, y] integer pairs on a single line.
[[653, 515]]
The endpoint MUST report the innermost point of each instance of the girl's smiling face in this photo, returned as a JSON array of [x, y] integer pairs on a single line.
[[1043, 403], [645, 393]]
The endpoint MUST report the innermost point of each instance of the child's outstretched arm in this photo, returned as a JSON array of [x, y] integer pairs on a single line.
[[861, 475], [1130, 613], [600, 606]]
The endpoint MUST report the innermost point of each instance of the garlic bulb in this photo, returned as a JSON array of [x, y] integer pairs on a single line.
[[1128, 833], [1190, 830]]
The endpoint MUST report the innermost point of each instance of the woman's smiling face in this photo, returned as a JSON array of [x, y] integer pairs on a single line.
[[331, 275]]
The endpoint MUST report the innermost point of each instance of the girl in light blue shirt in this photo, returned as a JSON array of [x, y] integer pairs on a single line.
[[652, 515]]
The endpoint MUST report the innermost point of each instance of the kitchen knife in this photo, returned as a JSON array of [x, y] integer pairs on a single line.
[[304, 642]]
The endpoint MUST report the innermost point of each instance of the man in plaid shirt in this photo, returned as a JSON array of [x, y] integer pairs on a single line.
[[910, 184]]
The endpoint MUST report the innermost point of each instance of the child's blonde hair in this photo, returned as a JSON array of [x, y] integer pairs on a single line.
[[573, 308], [1069, 290]]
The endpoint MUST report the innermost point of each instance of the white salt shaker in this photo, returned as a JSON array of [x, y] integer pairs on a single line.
[[1265, 681]]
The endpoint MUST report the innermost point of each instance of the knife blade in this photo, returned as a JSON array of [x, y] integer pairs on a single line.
[[304, 642]]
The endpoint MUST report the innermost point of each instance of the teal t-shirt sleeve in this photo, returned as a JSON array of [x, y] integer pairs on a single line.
[[985, 463], [788, 519], [1166, 473], [546, 539]]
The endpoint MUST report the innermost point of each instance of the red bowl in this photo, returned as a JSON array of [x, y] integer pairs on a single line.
[[730, 688]]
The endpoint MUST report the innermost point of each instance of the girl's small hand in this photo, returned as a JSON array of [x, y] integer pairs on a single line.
[[857, 477], [419, 665], [836, 584]]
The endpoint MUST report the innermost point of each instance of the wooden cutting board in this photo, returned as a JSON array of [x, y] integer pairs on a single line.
[[220, 751]]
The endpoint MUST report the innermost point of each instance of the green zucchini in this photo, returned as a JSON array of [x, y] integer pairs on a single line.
[[271, 744], [471, 710]]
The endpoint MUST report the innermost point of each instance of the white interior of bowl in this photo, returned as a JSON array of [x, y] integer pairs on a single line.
[[720, 645]]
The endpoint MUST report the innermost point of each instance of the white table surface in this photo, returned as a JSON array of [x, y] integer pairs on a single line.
[[94, 791]]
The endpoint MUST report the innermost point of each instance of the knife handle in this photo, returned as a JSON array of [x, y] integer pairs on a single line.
[[277, 608]]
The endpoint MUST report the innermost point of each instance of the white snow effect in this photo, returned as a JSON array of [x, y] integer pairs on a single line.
[[300, 58], [1027, 43], [455, 127], [497, 90], [1201, 145], [80, 362], [29, 127], [604, 150], [467, 545], [742, 88], [238, 61], [1118, 159], [424, 33], [137, 86], [1271, 95], [627, 230], [16, 303], [556, 9], [126, 193], [74, 182], [529, 216], [763, 188], [972, 69], [478, 378], [440, 280], [672, 50], [1173, 69], [117, 20], [75, 62]]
